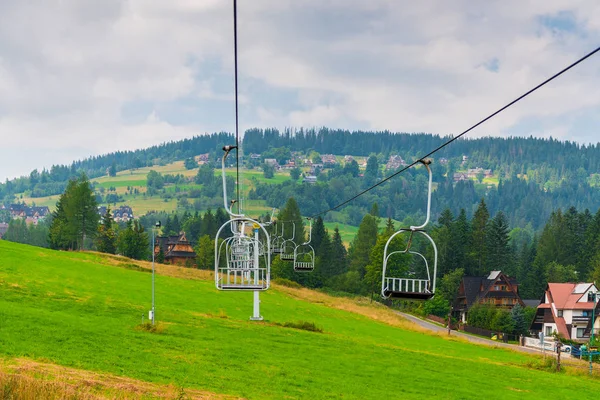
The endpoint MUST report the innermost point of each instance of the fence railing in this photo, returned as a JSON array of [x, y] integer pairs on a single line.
[[505, 337]]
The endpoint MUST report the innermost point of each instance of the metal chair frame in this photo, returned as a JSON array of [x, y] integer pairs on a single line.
[[242, 252], [288, 246], [411, 288], [306, 251]]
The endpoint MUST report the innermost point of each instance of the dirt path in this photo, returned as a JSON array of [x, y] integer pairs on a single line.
[[479, 340]]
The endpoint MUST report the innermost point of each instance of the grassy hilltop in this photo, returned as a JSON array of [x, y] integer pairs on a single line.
[[83, 311]]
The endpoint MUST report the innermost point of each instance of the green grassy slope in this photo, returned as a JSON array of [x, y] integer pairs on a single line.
[[77, 310]]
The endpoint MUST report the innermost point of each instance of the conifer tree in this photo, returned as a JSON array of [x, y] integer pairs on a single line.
[[106, 240], [76, 216], [363, 243], [292, 220], [339, 253], [498, 251], [479, 236]]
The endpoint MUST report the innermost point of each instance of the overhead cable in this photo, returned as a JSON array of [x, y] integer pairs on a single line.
[[588, 55]]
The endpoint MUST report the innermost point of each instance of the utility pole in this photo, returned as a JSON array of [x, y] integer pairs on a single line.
[[152, 311], [558, 346], [256, 307], [592, 333]]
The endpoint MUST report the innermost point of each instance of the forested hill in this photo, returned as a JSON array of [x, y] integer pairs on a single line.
[[514, 154], [531, 177]]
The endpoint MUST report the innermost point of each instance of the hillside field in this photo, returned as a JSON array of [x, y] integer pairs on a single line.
[[83, 311]]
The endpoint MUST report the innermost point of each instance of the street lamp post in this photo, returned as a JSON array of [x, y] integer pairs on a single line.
[[152, 312], [592, 333]]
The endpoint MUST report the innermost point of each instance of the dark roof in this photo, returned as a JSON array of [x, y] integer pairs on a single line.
[[29, 211], [473, 284], [531, 302], [165, 241]]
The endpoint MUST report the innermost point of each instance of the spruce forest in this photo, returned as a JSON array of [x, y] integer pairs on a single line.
[[535, 217]]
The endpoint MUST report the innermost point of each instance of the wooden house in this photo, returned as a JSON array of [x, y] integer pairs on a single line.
[[176, 249], [497, 289]]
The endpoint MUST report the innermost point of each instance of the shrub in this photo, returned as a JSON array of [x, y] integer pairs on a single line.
[[151, 328], [304, 325], [287, 283]]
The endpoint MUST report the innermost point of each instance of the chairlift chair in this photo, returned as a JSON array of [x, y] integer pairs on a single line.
[[407, 287], [277, 243], [288, 246], [304, 254], [246, 267]]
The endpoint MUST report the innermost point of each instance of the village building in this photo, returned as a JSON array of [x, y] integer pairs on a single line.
[[328, 160], [27, 212], [309, 179], [473, 172], [272, 162], [567, 308], [176, 249], [395, 162], [120, 214], [497, 289], [202, 158], [348, 159], [460, 176]]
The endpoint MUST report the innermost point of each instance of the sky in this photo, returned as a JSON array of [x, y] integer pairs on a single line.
[[86, 77]]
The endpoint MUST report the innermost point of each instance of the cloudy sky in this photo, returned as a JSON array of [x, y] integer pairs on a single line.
[[86, 77]]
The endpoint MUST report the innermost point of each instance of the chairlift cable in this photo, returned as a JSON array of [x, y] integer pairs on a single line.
[[588, 55], [237, 146]]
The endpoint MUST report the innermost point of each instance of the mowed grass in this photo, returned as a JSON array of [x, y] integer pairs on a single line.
[[80, 310]]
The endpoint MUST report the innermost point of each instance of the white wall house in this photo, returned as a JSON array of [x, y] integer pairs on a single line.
[[567, 309]]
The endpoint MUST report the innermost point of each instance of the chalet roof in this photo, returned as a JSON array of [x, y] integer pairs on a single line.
[[477, 286], [163, 242], [472, 284], [562, 327], [567, 295]]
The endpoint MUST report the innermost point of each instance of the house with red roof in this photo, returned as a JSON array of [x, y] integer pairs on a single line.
[[567, 309]]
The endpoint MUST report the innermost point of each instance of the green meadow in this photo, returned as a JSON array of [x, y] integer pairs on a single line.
[[83, 310]]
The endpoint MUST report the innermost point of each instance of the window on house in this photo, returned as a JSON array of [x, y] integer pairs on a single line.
[[580, 332], [548, 331], [496, 287], [559, 313], [585, 313]]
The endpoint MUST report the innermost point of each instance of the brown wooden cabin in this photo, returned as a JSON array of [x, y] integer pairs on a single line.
[[496, 289], [177, 249]]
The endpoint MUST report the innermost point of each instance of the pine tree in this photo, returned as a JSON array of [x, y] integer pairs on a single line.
[[389, 227], [339, 253], [363, 242], [205, 252], [521, 327], [461, 240], [112, 171], [290, 216], [318, 233], [209, 224], [76, 217], [106, 240], [479, 236], [371, 172], [498, 251], [133, 242]]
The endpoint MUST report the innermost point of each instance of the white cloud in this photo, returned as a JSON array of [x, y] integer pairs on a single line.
[[70, 73]]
